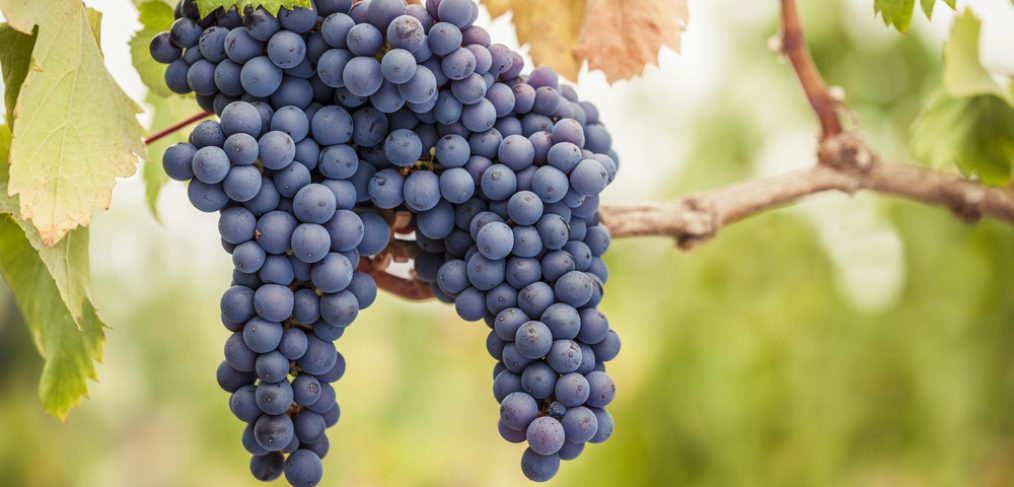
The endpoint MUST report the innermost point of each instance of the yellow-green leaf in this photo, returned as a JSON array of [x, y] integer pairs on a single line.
[[169, 3], [70, 348], [963, 72], [5, 152], [95, 23], [619, 37], [898, 13], [208, 6], [75, 130], [155, 17], [15, 59], [165, 111], [974, 132]]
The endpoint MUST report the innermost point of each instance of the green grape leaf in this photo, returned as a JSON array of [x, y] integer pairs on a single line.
[[169, 3], [165, 111], [75, 130], [155, 17], [929, 4], [15, 59], [963, 73], [898, 13], [974, 132], [67, 333], [70, 348], [272, 6]]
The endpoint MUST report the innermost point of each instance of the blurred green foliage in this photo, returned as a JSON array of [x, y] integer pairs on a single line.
[[746, 362]]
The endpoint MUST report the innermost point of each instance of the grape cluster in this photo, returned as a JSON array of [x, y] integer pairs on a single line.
[[335, 118]]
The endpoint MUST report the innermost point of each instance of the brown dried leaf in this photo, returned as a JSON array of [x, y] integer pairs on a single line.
[[619, 37]]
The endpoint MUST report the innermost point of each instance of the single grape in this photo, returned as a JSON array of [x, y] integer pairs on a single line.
[[533, 339], [444, 38], [271, 367], [498, 182], [421, 87], [403, 147], [436, 223], [470, 89], [608, 348], [286, 49], [303, 468], [365, 40], [163, 50], [309, 426], [261, 25], [421, 191], [458, 64], [538, 380], [332, 274], [306, 389], [242, 183], [319, 358], [517, 410], [457, 12], [231, 379], [212, 43], [243, 404], [398, 66], [545, 435], [177, 161], [574, 288], [267, 467], [185, 33], [176, 77], [260, 77], [539, 468], [470, 304], [298, 20], [406, 32], [335, 29], [273, 432]]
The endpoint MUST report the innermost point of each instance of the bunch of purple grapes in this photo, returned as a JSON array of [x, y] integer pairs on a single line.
[[331, 119]]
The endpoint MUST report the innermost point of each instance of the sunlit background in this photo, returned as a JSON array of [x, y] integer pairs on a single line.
[[844, 341]]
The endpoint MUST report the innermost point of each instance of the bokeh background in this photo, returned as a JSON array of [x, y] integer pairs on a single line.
[[843, 341]]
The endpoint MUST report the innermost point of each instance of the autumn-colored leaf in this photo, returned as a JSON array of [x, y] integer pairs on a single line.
[[619, 37]]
